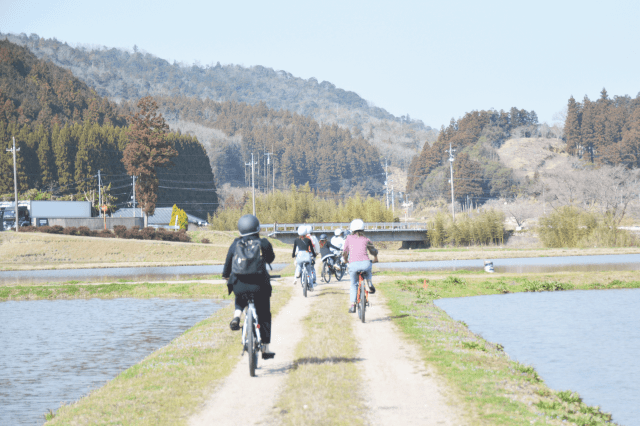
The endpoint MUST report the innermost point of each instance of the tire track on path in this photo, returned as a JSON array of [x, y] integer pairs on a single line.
[[398, 387]]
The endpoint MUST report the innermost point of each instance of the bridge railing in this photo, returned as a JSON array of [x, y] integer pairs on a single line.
[[331, 226]]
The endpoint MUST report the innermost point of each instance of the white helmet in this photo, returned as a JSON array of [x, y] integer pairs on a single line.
[[356, 225], [302, 229], [309, 229], [338, 232]]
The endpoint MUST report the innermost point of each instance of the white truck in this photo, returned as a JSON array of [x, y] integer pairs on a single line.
[[38, 213]]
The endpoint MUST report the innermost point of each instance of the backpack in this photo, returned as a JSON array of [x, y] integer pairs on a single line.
[[247, 259]]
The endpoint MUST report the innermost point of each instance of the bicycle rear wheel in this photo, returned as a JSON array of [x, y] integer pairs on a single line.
[[251, 343], [338, 271], [326, 272], [363, 298], [304, 280]]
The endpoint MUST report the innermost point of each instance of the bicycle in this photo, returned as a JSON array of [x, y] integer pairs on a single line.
[[251, 340], [362, 299], [331, 265], [305, 278]]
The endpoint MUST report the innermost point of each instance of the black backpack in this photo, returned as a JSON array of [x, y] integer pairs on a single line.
[[247, 259]]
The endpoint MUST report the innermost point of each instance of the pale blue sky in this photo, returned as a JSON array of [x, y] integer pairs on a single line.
[[432, 60]]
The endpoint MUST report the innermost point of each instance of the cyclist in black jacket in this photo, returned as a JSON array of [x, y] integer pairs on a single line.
[[259, 285]]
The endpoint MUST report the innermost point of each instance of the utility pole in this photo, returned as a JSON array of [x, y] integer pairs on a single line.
[[15, 181], [386, 181], [253, 184], [99, 193], [393, 200], [451, 151], [134, 196], [266, 174]]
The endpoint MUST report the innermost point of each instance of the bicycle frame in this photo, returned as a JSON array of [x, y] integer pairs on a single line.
[[361, 285]]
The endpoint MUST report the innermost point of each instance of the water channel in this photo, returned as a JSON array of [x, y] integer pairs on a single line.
[[57, 351], [141, 273], [610, 262], [585, 341]]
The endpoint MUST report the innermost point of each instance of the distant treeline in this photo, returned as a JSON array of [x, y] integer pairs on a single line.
[[474, 138], [66, 133], [327, 157], [66, 160], [606, 131]]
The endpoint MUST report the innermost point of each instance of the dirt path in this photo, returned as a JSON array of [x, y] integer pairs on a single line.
[[245, 400], [398, 387]]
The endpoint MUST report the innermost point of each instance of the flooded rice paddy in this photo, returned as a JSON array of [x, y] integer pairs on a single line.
[[585, 341], [614, 262], [57, 351]]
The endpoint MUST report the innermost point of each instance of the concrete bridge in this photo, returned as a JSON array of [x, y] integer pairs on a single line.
[[412, 234]]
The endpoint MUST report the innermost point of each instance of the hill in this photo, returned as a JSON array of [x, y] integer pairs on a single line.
[[67, 133], [123, 75]]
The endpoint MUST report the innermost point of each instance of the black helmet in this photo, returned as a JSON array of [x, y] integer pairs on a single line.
[[248, 224], [323, 237]]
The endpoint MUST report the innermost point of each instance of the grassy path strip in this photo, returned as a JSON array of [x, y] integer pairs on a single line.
[[168, 385], [323, 385], [495, 389]]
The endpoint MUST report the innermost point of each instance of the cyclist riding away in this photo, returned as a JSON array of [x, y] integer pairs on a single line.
[[327, 250], [302, 252], [355, 252], [246, 272], [316, 248]]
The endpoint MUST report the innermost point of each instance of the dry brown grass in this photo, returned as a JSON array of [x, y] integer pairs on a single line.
[[322, 387], [51, 251]]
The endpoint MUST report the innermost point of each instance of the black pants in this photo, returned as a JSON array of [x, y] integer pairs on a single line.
[[262, 303]]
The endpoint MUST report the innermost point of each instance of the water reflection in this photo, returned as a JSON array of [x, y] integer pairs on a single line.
[[55, 351], [586, 341], [142, 273], [614, 262]]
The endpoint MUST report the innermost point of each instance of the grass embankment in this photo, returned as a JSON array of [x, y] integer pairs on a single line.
[[168, 385], [114, 290], [496, 390], [51, 251], [322, 387]]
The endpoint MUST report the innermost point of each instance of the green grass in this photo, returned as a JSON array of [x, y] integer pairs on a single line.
[[114, 290], [497, 390], [171, 383], [322, 387]]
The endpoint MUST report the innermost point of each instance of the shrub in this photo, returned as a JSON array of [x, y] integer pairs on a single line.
[[133, 234], [56, 229], [28, 228], [205, 241], [105, 233], [147, 233], [85, 232], [569, 227], [70, 230], [120, 231]]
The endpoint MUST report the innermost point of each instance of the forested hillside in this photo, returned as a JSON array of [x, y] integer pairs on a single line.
[[478, 173], [300, 150], [121, 75], [606, 131], [66, 133]]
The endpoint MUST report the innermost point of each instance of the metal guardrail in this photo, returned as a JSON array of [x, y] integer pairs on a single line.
[[331, 226]]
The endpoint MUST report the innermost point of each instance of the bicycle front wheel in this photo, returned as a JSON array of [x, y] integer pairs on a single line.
[[326, 272], [251, 343]]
